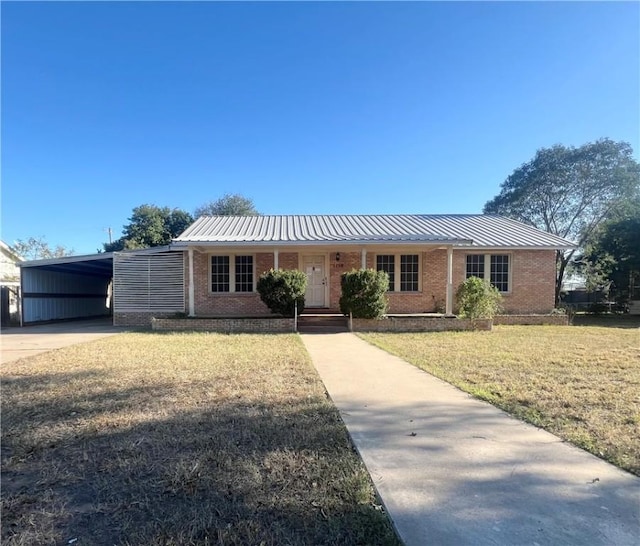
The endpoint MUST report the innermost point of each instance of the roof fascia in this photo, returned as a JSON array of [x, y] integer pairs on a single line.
[[514, 247], [356, 243], [67, 259]]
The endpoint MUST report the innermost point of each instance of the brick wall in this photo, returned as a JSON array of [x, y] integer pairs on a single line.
[[137, 319], [557, 320], [287, 260], [348, 261], [532, 283], [209, 303], [225, 325], [420, 324], [533, 274]]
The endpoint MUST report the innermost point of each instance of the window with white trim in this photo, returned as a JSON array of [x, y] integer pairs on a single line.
[[409, 278], [219, 273], [498, 266], [386, 262], [409, 272], [500, 271], [232, 273], [244, 273]]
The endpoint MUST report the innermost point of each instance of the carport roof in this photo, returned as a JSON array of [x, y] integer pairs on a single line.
[[100, 264], [88, 264]]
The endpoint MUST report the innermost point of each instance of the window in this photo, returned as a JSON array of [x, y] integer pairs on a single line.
[[475, 266], [496, 264], [232, 274], [409, 278], [386, 262], [244, 273], [219, 273], [409, 266], [500, 272]]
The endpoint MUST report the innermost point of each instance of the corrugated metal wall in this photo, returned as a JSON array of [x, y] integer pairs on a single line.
[[53, 295], [148, 282]]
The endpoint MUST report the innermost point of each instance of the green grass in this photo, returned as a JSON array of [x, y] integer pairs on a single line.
[[170, 439], [581, 383]]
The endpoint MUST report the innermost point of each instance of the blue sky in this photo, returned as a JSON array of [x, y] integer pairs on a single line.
[[307, 108]]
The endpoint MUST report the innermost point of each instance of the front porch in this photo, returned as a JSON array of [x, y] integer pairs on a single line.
[[422, 277]]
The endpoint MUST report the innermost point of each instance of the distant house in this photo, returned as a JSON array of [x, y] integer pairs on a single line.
[[426, 257], [9, 284]]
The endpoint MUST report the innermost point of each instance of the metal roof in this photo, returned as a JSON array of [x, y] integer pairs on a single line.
[[100, 264], [475, 230]]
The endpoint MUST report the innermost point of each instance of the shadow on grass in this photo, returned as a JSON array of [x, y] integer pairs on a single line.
[[237, 473], [229, 472]]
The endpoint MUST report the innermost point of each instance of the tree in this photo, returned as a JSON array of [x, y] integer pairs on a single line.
[[228, 205], [149, 226], [36, 248], [569, 191], [613, 252]]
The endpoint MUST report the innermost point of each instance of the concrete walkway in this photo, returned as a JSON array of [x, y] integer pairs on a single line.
[[18, 342], [452, 470]]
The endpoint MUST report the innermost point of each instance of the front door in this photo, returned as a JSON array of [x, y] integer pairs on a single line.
[[314, 268]]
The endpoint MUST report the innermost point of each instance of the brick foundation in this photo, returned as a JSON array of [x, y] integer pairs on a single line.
[[420, 324], [556, 320], [225, 325], [137, 319]]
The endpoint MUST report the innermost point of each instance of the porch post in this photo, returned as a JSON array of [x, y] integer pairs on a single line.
[[275, 259], [364, 258], [192, 307], [449, 303]]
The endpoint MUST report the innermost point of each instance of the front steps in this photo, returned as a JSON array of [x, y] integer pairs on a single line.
[[322, 323]]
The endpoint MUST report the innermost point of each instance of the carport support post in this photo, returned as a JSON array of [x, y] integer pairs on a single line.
[[364, 258], [192, 310], [449, 303], [275, 259]]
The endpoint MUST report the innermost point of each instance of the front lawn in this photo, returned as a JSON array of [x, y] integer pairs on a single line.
[[581, 383], [170, 439]]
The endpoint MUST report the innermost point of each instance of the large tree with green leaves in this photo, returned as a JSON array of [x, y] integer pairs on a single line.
[[37, 248], [569, 191], [149, 226], [228, 205], [613, 252]]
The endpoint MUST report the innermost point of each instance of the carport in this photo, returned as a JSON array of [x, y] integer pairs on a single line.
[[131, 285], [73, 287]]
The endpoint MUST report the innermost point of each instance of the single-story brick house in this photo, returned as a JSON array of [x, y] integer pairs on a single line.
[[211, 269]]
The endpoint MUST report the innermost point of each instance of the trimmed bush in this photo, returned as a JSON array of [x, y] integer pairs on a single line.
[[476, 298], [281, 290], [363, 293]]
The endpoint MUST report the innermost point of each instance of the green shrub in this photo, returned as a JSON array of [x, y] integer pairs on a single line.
[[363, 293], [281, 290], [476, 298]]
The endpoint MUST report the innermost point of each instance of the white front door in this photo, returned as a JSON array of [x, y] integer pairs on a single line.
[[314, 268]]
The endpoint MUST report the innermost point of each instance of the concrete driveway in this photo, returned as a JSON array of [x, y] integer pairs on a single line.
[[18, 343]]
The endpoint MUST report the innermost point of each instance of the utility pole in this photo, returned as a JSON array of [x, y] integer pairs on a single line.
[[108, 230]]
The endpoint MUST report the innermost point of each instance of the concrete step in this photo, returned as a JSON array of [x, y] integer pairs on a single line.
[[322, 329], [320, 324]]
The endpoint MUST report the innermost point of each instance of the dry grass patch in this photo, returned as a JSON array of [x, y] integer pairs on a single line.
[[581, 383], [180, 439]]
